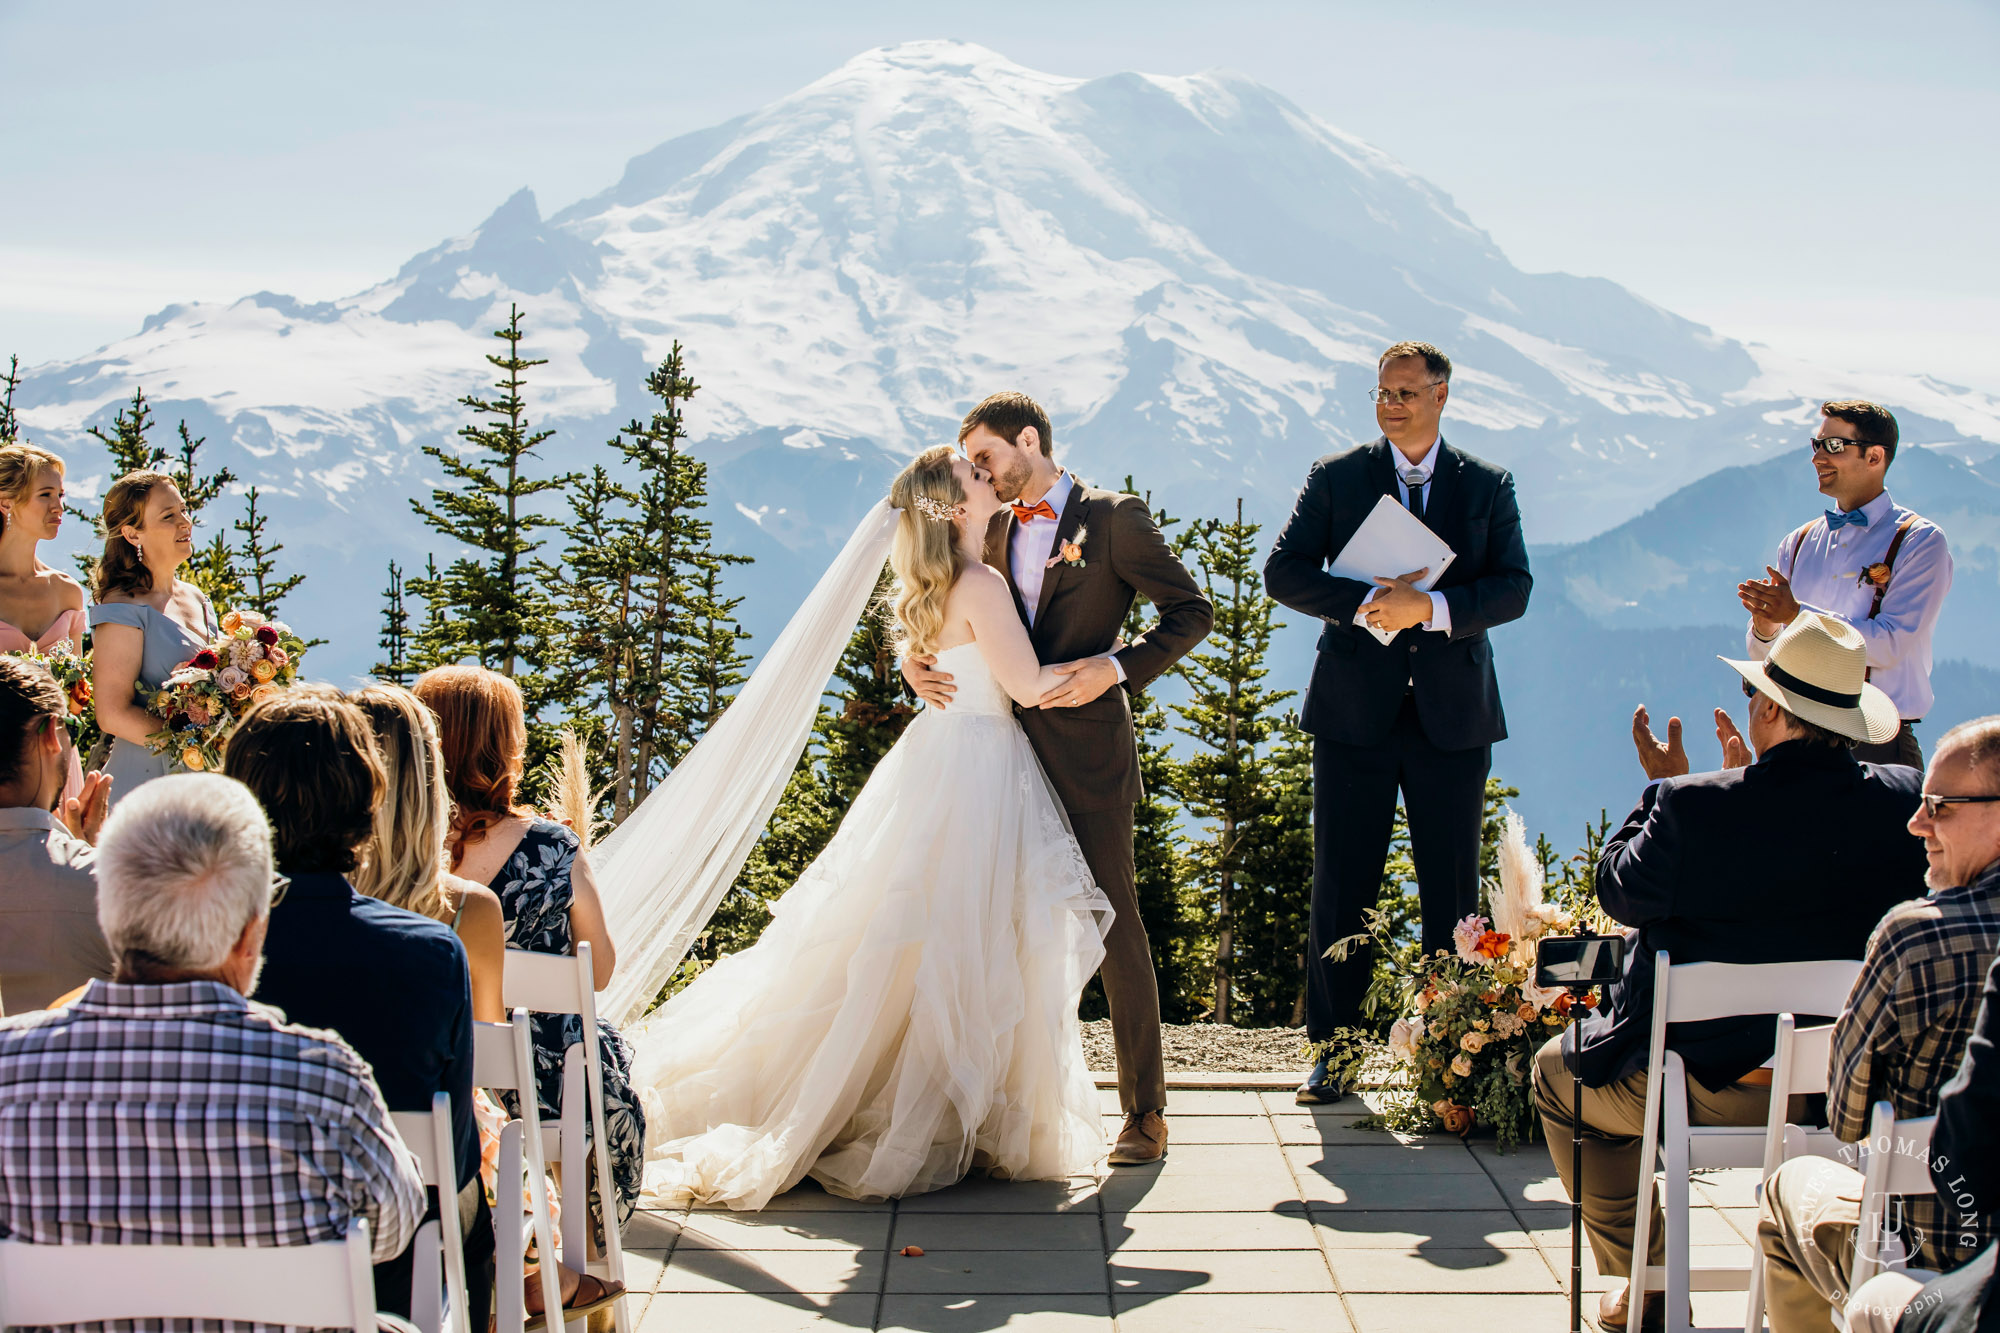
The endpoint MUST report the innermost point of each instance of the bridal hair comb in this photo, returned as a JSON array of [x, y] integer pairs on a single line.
[[936, 509]]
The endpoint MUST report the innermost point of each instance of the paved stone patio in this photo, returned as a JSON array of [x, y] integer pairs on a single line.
[[1265, 1215]]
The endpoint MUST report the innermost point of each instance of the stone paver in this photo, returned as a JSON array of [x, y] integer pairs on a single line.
[[1264, 1216]]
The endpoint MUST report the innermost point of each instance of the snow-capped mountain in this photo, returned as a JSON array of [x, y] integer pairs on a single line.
[[1191, 273]]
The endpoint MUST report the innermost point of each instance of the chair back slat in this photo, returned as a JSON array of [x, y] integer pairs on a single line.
[[431, 1149], [493, 1062], [326, 1285], [1702, 991], [546, 983]]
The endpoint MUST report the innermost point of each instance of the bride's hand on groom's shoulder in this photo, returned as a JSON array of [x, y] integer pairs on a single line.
[[933, 687]]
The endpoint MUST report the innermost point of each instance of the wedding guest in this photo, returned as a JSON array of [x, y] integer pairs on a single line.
[[50, 942], [393, 984], [1880, 567], [162, 1107], [41, 608], [544, 881], [1965, 1168], [1416, 712], [1792, 857], [406, 858], [1901, 1036], [147, 620]]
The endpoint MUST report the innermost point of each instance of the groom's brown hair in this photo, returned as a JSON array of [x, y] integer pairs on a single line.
[[1007, 415]]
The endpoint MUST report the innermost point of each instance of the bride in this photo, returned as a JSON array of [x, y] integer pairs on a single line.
[[909, 1015]]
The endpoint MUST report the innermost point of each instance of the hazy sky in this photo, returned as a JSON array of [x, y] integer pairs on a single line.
[[1822, 177]]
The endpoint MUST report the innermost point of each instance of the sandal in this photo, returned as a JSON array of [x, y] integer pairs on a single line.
[[592, 1294]]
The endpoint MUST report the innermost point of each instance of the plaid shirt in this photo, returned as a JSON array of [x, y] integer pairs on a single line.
[[1904, 1030], [183, 1115]]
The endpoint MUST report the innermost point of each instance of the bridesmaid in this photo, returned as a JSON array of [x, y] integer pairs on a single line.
[[40, 607], [147, 620]]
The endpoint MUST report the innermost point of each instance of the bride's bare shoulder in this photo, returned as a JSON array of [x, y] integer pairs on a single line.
[[979, 586]]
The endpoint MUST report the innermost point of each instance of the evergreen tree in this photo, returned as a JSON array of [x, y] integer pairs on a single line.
[[1274, 908], [10, 424], [596, 585], [503, 616], [873, 707], [213, 567], [715, 660], [394, 666], [1229, 781], [263, 587], [127, 444]]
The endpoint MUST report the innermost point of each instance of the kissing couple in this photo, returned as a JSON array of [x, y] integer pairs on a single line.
[[910, 1013]]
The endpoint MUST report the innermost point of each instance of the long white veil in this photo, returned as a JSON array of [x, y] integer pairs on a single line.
[[663, 872]]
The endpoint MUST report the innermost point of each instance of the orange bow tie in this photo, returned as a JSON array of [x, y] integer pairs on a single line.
[[1039, 509]]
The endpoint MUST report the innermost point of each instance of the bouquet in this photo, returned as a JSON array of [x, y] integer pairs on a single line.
[[203, 698], [1473, 1018], [72, 672]]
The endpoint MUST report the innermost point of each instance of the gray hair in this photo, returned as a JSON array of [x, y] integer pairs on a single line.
[[1980, 741], [183, 865]]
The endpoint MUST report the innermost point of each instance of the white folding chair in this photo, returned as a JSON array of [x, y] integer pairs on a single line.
[[439, 1243], [552, 984], [1895, 1161], [327, 1285], [503, 1060], [1692, 993], [1800, 1068]]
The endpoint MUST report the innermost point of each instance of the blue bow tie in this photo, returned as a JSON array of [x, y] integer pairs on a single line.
[[1835, 520]]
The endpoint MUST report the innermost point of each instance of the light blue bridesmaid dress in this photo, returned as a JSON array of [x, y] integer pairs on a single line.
[[168, 644]]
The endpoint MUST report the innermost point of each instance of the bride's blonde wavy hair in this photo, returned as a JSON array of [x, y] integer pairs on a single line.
[[925, 555]]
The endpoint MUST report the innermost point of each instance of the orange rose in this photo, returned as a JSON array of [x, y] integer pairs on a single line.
[[263, 670], [191, 759], [231, 622], [1456, 1118], [1493, 944]]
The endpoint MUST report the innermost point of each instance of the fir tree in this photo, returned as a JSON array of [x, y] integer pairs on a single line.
[[127, 444], [263, 587], [503, 616], [10, 424], [873, 708], [1228, 782], [394, 666], [596, 586], [1274, 904], [716, 663], [213, 567]]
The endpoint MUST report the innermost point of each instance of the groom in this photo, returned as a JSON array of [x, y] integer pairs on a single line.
[[1076, 557], [1420, 713]]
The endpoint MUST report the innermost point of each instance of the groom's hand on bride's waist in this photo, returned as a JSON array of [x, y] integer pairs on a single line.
[[933, 687], [1082, 682]]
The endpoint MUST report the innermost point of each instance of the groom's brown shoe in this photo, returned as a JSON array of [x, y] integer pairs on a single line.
[[1143, 1140]]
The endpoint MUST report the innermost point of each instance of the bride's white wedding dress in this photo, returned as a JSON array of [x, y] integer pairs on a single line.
[[909, 1015]]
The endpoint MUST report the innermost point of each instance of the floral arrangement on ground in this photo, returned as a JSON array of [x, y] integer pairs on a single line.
[[201, 700], [1469, 1021]]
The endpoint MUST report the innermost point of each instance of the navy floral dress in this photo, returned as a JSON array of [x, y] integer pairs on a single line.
[[535, 892]]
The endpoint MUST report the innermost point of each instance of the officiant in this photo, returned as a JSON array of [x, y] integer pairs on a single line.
[[1418, 714]]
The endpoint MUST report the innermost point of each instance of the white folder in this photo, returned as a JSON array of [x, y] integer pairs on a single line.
[[1391, 542]]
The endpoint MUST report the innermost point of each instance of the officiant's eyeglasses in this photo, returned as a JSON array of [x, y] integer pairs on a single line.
[[279, 883], [1933, 804], [1402, 397]]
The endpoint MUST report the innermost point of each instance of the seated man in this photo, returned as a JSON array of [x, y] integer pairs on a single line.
[[163, 1107], [1790, 858], [1901, 1036], [1965, 1168], [392, 983], [49, 939]]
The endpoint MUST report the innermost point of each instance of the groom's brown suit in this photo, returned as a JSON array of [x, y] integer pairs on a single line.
[[1089, 751]]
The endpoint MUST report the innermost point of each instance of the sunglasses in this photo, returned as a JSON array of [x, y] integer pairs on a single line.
[[1833, 444], [1935, 804]]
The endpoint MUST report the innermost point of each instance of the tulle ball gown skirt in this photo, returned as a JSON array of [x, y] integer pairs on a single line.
[[909, 1015]]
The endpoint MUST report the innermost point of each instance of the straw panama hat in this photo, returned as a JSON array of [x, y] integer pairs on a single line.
[[1817, 670]]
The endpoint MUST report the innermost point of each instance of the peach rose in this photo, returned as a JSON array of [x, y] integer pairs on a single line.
[[263, 671], [191, 759]]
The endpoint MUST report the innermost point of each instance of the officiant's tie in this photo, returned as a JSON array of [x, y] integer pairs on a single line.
[[1416, 481]]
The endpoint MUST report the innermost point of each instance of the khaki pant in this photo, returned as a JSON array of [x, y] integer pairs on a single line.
[[1805, 1225], [1612, 1116]]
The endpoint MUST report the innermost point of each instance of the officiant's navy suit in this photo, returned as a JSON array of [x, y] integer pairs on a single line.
[[1419, 714]]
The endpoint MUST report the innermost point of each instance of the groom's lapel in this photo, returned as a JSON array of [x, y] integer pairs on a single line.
[[1075, 510]]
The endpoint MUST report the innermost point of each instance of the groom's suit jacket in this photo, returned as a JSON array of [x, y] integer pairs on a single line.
[[1357, 682], [1089, 751]]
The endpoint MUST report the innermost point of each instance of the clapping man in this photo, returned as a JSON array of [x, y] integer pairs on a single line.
[[1418, 715], [1869, 561], [1791, 857]]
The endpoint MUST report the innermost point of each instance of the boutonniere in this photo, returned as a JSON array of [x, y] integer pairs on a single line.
[[1876, 575], [1070, 552]]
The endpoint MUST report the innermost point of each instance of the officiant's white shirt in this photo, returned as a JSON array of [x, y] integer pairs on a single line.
[[1828, 577], [1427, 470], [1028, 553]]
